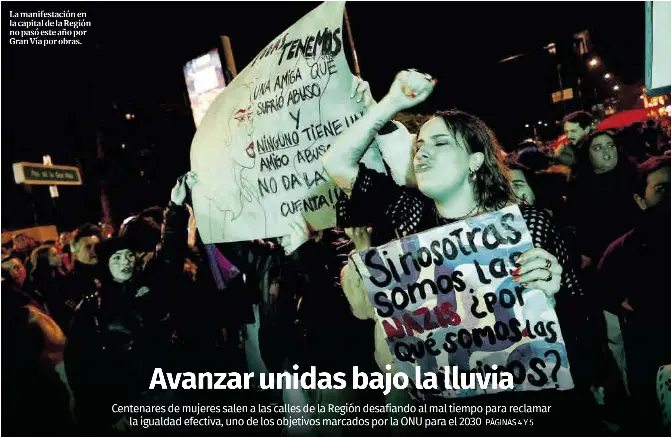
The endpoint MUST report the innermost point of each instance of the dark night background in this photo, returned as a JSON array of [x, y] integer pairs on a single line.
[[55, 98]]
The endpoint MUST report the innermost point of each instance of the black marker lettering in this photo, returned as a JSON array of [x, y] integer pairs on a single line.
[[457, 233], [435, 246], [517, 236], [368, 260], [381, 300]]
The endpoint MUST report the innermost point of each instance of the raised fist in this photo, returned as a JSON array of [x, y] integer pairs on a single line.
[[410, 88]]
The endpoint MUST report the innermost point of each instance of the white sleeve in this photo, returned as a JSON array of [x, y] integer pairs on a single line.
[[356, 294], [396, 149]]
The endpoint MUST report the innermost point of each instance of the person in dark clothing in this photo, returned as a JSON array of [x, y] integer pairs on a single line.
[[577, 126], [634, 286], [16, 272], [600, 203], [33, 385], [22, 247], [82, 280], [522, 181], [459, 172], [83, 244], [314, 322], [630, 139], [143, 231], [121, 333], [47, 276], [154, 212], [600, 208], [258, 265], [14, 268], [543, 190], [336, 340], [206, 317]]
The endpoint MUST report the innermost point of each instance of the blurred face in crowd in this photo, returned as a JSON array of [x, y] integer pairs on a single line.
[[565, 155], [64, 239], [122, 265], [602, 154], [16, 270], [55, 258], [442, 162], [657, 189], [108, 231], [84, 250], [574, 132], [21, 242], [521, 188]]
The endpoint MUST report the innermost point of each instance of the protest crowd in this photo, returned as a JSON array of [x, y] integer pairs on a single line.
[[90, 318]]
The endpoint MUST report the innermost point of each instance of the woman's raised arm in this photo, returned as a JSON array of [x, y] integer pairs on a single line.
[[341, 161]]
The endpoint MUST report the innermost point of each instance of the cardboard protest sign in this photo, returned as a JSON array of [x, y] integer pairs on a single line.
[[445, 297], [257, 152], [38, 233]]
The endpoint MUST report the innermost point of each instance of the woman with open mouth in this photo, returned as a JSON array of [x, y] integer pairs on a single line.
[[460, 174], [123, 331]]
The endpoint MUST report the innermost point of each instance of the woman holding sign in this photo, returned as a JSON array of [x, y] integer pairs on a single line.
[[459, 174]]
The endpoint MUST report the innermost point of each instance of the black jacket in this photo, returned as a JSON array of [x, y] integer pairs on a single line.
[[121, 333], [81, 281]]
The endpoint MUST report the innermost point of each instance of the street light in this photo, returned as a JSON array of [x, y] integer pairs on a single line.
[[526, 125], [607, 76], [593, 62], [616, 87], [540, 122]]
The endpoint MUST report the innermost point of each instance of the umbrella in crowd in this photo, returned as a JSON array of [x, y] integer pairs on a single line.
[[622, 119]]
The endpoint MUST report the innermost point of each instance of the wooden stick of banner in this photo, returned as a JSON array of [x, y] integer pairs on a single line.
[[104, 198], [228, 55], [348, 29]]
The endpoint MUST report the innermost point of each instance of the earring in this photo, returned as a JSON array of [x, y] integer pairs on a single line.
[[472, 175]]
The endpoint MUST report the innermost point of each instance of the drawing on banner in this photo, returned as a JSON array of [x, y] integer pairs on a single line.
[[235, 156], [257, 151], [445, 298]]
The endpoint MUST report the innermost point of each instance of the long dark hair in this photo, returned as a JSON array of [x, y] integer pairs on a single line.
[[492, 186], [583, 165], [624, 173], [584, 170]]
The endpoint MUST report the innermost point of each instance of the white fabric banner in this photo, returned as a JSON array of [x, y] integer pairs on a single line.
[[257, 152]]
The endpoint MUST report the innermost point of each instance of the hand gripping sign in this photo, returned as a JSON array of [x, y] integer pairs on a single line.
[[446, 299]]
